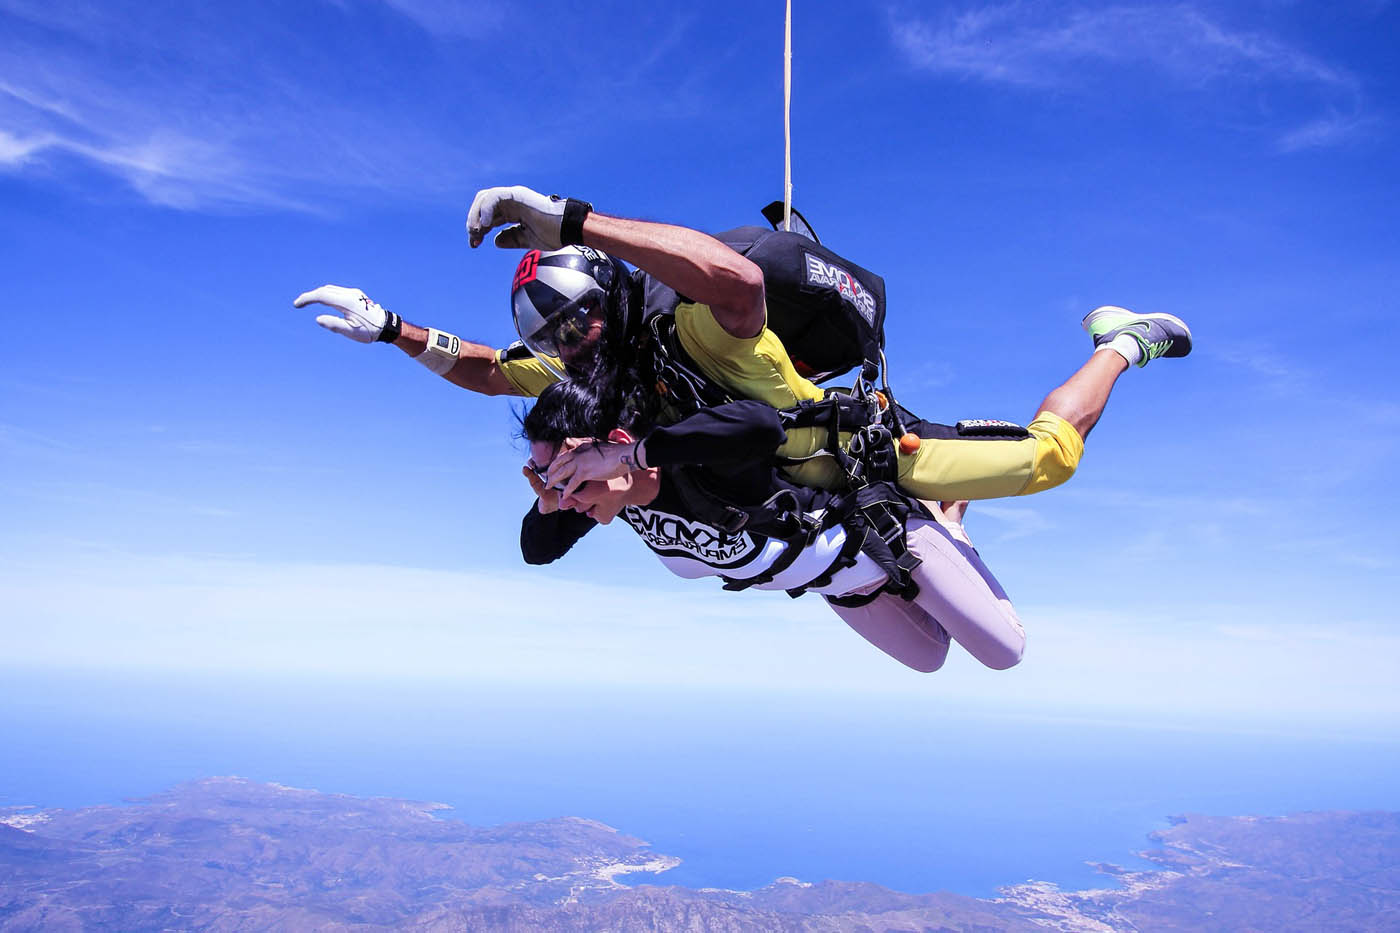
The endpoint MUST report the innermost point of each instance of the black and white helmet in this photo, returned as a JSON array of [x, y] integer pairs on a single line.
[[559, 298]]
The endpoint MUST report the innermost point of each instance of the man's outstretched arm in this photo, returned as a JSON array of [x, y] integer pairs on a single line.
[[693, 263], [470, 365], [477, 368]]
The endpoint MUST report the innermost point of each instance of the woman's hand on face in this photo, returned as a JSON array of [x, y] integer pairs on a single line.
[[590, 460], [549, 498]]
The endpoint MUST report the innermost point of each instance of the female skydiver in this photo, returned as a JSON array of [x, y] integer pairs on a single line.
[[607, 474], [811, 541]]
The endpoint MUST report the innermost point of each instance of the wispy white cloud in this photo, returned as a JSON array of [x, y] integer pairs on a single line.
[[201, 108], [452, 19], [1035, 44], [124, 611], [166, 168], [117, 611], [15, 151], [1274, 372], [1041, 45], [1325, 131], [192, 131], [1219, 662]]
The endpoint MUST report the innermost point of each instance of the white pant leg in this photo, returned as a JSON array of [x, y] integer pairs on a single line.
[[958, 590], [901, 630]]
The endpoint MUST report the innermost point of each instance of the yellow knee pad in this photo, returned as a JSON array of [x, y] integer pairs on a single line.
[[1058, 449]]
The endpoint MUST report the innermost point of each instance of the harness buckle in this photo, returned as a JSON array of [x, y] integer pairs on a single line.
[[733, 521]]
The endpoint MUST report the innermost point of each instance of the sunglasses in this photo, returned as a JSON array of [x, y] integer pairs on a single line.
[[570, 333], [543, 473], [567, 329]]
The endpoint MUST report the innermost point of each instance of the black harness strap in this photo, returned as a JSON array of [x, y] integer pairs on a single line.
[[778, 516], [885, 511], [854, 544], [679, 382], [783, 562], [820, 413], [855, 601]]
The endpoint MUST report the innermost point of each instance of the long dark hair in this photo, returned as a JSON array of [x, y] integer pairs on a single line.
[[580, 407], [612, 391], [565, 409], [617, 377]]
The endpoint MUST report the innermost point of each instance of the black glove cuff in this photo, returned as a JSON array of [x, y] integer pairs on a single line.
[[571, 229], [393, 327]]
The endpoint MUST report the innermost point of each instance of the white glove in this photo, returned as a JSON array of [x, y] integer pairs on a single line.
[[541, 222], [360, 318]]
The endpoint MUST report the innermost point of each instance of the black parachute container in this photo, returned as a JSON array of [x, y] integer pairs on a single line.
[[828, 312]]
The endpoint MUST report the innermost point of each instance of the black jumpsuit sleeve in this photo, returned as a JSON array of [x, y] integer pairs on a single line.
[[730, 433], [546, 538]]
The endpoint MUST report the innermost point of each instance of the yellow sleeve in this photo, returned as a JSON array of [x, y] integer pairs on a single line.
[[522, 370], [757, 368]]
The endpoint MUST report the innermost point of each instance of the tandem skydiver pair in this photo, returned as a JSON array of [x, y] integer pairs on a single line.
[[582, 318]]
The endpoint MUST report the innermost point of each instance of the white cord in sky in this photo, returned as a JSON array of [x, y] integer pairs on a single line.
[[787, 119]]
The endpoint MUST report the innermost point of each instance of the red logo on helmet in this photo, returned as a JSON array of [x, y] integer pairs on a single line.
[[525, 272]]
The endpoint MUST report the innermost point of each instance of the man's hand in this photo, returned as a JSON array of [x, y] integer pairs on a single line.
[[549, 498], [545, 223], [360, 318]]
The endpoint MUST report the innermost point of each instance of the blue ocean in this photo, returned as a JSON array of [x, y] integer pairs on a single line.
[[743, 788]]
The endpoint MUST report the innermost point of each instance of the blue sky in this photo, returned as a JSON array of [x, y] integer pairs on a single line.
[[199, 478]]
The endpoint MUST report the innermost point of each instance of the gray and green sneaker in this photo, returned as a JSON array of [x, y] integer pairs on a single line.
[[1157, 334]]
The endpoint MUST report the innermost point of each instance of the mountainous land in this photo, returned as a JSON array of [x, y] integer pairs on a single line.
[[231, 854]]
